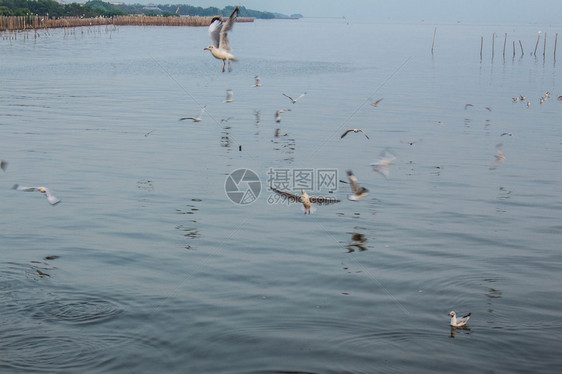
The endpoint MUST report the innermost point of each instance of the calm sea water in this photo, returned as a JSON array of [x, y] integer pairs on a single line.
[[146, 265]]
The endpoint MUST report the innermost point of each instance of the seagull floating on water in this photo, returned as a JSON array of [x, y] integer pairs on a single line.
[[358, 191], [295, 100], [500, 158], [355, 131], [44, 190], [383, 162], [195, 119], [306, 200], [218, 31], [258, 81], [458, 322]]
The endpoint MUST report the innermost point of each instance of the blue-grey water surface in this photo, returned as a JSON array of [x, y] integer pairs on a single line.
[[147, 266]]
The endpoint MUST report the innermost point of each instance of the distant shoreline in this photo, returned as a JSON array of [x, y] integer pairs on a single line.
[[23, 23]]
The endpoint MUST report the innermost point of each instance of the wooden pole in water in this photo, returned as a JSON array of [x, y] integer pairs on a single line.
[[544, 48], [481, 45], [493, 40], [514, 48], [521, 45], [536, 45], [555, 42], [433, 43], [504, 41]]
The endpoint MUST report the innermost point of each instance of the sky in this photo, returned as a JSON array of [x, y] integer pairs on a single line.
[[545, 12]]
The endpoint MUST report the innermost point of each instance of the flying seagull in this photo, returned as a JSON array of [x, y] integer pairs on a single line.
[[376, 102], [306, 200], [44, 190], [458, 322], [220, 49], [382, 163], [295, 100], [358, 192], [355, 131], [195, 119], [229, 95], [467, 105], [500, 158]]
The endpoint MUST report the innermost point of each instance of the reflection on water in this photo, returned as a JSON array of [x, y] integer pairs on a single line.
[[358, 242]]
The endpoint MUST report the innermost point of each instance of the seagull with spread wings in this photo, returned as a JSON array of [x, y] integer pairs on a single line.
[[295, 100], [358, 191], [382, 163], [44, 190], [195, 119], [218, 31], [355, 131], [306, 200]]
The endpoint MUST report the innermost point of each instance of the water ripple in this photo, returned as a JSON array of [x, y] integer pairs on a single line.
[[75, 309]]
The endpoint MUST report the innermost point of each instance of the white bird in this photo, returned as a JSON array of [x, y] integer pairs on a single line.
[[278, 115], [195, 119], [258, 82], [458, 322], [306, 200], [229, 95], [358, 192], [218, 31], [383, 162], [44, 190], [500, 158], [295, 100], [355, 131]]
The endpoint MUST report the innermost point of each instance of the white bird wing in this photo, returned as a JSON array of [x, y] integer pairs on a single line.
[[224, 43], [301, 95], [23, 188], [215, 31], [382, 169], [202, 111], [51, 198], [353, 182]]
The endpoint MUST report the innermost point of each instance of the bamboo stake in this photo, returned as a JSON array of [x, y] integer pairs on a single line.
[[493, 40], [481, 45], [504, 41], [521, 45], [514, 48], [433, 43], [555, 42], [544, 48], [536, 45]]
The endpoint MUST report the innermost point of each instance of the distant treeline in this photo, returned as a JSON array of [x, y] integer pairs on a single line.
[[96, 8]]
